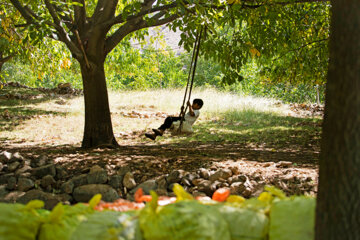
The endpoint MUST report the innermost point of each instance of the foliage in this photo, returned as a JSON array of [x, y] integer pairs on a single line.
[[186, 218], [10, 38], [131, 68], [287, 39], [255, 84]]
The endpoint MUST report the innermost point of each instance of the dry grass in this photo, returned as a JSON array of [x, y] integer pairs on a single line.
[[67, 126]]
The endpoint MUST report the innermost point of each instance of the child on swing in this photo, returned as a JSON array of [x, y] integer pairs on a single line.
[[189, 119]]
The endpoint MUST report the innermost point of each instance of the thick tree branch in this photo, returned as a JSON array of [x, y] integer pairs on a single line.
[[119, 18], [132, 26], [63, 35], [5, 59], [29, 17], [53, 13], [80, 15], [104, 11]]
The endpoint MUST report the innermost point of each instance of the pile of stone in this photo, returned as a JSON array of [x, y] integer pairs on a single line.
[[22, 180], [136, 114], [307, 109]]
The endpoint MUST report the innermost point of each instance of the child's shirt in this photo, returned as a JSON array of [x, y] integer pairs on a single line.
[[191, 119]]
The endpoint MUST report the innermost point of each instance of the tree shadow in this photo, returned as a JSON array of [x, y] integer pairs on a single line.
[[16, 106]]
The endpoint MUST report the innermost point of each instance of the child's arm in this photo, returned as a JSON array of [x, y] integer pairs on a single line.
[[191, 111]]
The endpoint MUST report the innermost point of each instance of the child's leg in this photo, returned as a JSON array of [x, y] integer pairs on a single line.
[[168, 122], [159, 132]]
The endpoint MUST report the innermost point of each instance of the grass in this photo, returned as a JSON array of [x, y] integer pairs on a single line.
[[225, 118]]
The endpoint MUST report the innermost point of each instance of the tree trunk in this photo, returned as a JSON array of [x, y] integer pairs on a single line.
[[4, 60], [338, 202], [98, 130]]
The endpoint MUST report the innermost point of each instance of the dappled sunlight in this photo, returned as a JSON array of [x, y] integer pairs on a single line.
[[225, 117]]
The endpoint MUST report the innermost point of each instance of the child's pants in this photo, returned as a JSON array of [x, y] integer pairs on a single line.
[[168, 122]]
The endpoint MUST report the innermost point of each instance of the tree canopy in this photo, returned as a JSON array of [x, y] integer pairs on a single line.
[[236, 32]]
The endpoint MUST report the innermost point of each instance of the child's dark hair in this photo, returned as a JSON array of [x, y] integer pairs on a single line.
[[199, 102]]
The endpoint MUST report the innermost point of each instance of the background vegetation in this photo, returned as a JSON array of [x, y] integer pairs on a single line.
[[129, 68]]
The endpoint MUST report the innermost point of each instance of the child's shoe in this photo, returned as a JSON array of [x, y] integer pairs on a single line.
[[151, 136], [157, 132]]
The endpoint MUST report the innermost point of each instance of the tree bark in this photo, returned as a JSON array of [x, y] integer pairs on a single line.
[[4, 60], [338, 202], [98, 130]]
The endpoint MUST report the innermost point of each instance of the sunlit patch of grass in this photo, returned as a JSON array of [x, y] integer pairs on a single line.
[[225, 117], [252, 126]]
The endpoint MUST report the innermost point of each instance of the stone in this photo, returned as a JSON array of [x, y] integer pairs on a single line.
[[80, 180], [13, 166], [237, 188], [216, 185], [50, 200], [65, 198], [146, 187], [26, 168], [68, 187], [25, 184], [26, 175], [191, 176], [39, 161], [268, 164], [48, 180], [3, 191], [234, 170], [185, 182], [171, 187], [237, 178], [42, 171], [1, 166], [86, 192], [95, 168], [224, 185], [11, 184], [283, 164], [130, 197], [246, 193], [5, 157], [196, 182], [129, 181], [161, 182], [48, 189], [97, 177], [12, 197], [204, 173], [122, 171], [161, 192], [221, 173], [58, 184], [60, 173], [4, 178], [199, 194], [5, 168], [115, 181], [242, 178], [16, 157], [175, 176], [205, 186]]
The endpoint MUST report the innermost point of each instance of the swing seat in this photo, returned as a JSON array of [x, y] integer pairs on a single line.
[[185, 128]]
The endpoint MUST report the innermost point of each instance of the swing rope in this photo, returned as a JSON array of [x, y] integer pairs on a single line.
[[191, 76]]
